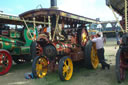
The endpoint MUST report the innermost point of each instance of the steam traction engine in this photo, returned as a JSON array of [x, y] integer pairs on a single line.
[[16, 36], [120, 6], [65, 41]]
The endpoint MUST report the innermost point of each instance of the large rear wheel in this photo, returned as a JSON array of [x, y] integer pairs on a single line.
[[40, 67], [90, 53], [120, 72], [5, 62], [65, 68]]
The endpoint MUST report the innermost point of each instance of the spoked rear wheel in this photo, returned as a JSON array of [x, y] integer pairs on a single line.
[[40, 67], [5, 62], [65, 68], [120, 72]]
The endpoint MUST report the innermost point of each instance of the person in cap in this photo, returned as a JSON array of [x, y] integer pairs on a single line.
[[99, 40]]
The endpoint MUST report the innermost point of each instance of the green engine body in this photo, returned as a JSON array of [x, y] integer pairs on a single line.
[[16, 41]]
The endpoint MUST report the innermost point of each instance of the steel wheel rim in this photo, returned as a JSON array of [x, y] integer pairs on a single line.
[[94, 57], [5, 62], [67, 69], [41, 67]]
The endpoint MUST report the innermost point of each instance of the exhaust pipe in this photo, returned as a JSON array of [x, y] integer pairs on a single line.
[[54, 4]]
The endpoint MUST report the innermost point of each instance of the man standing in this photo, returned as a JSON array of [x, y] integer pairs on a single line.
[[117, 37], [100, 50]]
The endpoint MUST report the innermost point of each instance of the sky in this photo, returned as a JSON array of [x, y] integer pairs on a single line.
[[88, 8]]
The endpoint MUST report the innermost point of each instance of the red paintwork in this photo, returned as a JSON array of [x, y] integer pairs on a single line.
[[62, 46], [43, 37], [67, 47], [123, 65], [122, 73], [39, 50], [124, 57], [71, 50], [5, 32], [7, 57]]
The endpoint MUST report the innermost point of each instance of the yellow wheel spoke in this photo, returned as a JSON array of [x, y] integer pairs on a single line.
[[64, 69], [65, 63], [67, 68], [41, 67], [94, 57]]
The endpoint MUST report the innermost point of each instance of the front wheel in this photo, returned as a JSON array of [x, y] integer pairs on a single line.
[[40, 67], [5, 62], [65, 68]]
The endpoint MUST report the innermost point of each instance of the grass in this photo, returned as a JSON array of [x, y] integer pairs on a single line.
[[81, 75]]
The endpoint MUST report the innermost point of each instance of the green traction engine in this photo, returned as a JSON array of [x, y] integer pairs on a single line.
[[15, 43]]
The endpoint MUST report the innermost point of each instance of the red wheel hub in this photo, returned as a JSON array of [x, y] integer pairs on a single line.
[[39, 50], [5, 62]]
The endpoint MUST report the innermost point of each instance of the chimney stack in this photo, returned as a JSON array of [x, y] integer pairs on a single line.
[[54, 4]]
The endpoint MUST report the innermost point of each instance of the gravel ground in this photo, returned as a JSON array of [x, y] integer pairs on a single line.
[[81, 75]]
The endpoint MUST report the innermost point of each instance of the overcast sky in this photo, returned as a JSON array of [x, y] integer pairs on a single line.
[[88, 8]]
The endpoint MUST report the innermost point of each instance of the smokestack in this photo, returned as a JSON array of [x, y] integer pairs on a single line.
[[54, 4]]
